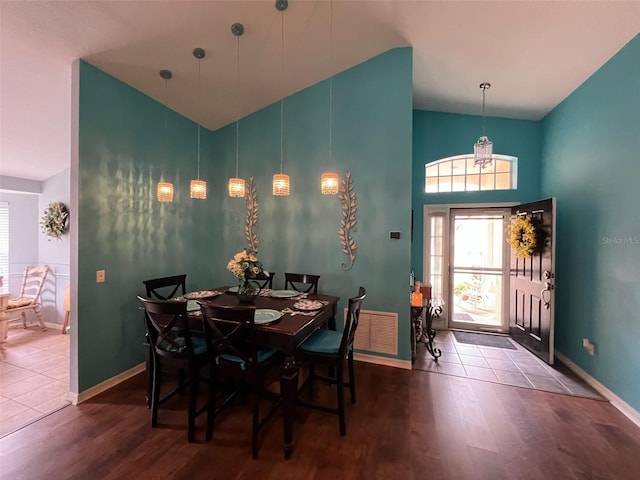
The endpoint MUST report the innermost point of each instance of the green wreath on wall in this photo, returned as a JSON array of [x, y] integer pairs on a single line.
[[54, 220]]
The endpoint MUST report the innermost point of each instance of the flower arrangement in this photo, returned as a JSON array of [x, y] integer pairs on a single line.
[[245, 265], [54, 220], [521, 235]]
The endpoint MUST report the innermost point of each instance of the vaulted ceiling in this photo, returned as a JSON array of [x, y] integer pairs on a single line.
[[533, 53]]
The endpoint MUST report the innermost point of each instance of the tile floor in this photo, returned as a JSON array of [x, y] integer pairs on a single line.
[[34, 375], [518, 367]]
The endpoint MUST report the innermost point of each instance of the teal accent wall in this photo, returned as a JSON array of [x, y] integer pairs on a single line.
[[126, 231], [438, 135], [590, 164], [371, 125], [123, 229]]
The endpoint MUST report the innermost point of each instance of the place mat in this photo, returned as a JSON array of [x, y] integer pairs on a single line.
[[483, 339], [201, 294], [292, 312], [308, 305]]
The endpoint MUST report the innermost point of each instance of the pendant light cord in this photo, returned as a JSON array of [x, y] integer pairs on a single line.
[[237, 102], [198, 151], [484, 91], [237, 146], [282, 99], [199, 123], [166, 110], [331, 85]]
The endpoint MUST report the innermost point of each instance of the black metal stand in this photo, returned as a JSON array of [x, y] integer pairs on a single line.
[[421, 331]]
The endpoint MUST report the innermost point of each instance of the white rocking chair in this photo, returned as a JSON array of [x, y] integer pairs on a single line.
[[29, 298]]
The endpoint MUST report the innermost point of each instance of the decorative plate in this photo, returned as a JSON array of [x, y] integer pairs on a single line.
[[192, 306], [201, 294], [308, 305], [284, 293], [232, 290], [266, 315]]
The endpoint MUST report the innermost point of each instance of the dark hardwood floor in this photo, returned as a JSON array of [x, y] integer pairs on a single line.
[[406, 425]]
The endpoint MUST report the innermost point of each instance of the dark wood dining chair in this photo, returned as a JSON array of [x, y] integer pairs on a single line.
[[174, 345], [265, 280], [329, 347], [239, 356], [301, 282], [162, 288]]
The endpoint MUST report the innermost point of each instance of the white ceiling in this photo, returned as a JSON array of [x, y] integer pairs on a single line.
[[534, 53]]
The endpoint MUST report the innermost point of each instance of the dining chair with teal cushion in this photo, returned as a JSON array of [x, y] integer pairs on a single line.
[[239, 356], [332, 348], [176, 344], [301, 282], [161, 288]]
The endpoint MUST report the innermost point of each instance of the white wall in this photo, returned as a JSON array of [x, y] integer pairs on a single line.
[[29, 246], [53, 252]]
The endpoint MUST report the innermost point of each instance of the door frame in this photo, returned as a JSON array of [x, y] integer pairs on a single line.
[[503, 327], [444, 210]]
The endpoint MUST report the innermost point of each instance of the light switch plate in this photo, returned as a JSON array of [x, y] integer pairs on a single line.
[[100, 276]]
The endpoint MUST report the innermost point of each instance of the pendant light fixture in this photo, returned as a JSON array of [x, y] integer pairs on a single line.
[[330, 180], [198, 188], [165, 189], [281, 181], [483, 148], [237, 185]]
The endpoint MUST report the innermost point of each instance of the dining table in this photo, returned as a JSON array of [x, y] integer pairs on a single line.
[[285, 333]]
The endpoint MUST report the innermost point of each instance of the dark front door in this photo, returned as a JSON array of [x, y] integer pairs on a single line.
[[531, 283]]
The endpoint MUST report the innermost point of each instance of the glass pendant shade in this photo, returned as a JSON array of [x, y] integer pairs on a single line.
[[198, 189], [236, 187], [483, 152], [165, 192], [329, 183], [281, 185], [483, 148]]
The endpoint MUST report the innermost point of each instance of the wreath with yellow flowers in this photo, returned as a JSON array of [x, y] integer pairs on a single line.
[[521, 235]]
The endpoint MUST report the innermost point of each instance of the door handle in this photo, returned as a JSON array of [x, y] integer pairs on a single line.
[[548, 286]]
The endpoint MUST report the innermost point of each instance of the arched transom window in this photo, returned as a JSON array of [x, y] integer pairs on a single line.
[[458, 174]]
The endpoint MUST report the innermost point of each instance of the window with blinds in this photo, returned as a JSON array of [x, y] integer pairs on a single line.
[[4, 245]]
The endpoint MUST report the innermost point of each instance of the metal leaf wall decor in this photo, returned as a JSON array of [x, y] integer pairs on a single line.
[[348, 222], [251, 197]]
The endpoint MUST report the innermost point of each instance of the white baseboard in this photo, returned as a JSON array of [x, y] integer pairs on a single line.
[[33, 322], [76, 398], [389, 362], [624, 408], [53, 326]]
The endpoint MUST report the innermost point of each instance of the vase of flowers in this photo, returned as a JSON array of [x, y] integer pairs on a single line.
[[245, 266]]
